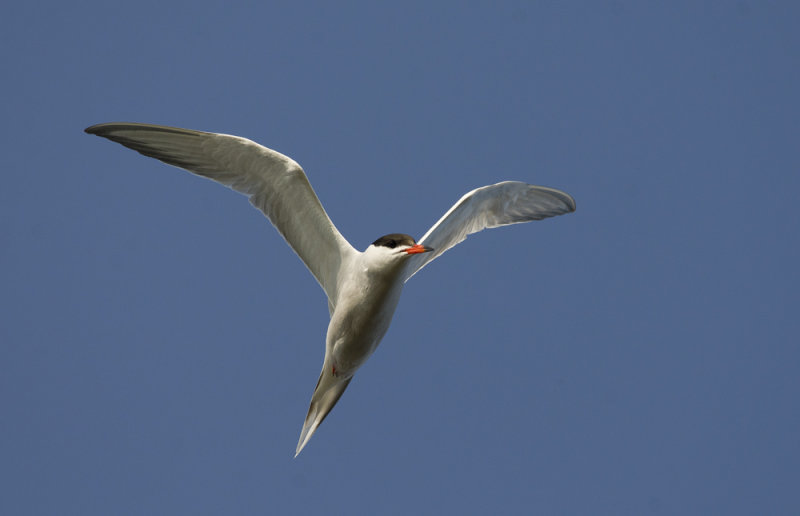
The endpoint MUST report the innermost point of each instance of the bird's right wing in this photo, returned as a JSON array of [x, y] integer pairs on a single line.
[[509, 202], [275, 184]]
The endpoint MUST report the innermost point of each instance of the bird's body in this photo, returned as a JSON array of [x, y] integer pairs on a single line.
[[363, 312], [362, 315], [363, 288]]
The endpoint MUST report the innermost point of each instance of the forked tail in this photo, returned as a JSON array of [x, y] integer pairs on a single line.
[[328, 391]]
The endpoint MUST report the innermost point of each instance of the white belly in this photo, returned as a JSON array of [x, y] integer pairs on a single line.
[[359, 322]]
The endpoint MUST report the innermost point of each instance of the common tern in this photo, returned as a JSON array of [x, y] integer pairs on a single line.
[[363, 288]]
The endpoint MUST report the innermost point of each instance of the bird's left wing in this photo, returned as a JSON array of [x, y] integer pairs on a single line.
[[509, 202], [275, 184]]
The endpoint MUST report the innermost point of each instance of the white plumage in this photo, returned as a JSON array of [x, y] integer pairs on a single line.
[[363, 288]]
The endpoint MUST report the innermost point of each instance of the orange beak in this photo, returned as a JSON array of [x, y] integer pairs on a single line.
[[419, 248]]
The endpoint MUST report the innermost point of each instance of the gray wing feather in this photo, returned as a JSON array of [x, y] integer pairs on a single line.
[[275, 184], [509, 202]]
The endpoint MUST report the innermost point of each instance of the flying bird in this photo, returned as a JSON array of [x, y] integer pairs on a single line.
[[363, 288]]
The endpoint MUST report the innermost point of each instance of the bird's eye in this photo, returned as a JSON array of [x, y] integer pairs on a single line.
[[391, 244]]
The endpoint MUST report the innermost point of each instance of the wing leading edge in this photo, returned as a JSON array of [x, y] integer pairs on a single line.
[[274, 183], [509, 202]]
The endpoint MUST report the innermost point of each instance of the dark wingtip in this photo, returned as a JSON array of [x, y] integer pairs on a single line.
[[567, 199], [94, 129], [572, 204]]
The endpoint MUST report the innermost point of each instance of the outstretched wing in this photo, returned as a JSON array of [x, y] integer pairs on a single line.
[[274, 183], [509, 202]]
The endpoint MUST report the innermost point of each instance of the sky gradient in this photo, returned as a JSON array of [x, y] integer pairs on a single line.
[[159, 342]]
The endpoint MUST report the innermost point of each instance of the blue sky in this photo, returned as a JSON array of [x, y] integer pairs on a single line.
[[159, 342]]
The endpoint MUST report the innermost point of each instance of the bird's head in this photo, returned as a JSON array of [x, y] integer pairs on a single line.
[[395, 248]]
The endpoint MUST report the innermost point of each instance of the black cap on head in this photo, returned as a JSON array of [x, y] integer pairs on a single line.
[[392, 240]]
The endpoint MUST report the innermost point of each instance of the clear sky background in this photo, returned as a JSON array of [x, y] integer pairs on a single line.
[[159, 342]]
